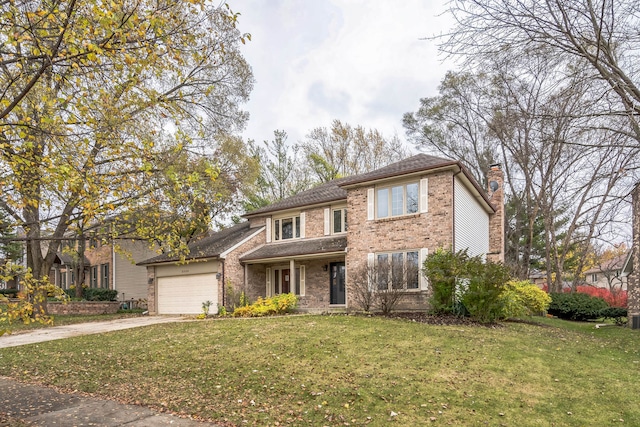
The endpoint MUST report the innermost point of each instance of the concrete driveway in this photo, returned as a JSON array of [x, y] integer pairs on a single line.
[[68, 331]]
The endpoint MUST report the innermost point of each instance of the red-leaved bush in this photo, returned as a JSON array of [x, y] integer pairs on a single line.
[[615, 298]]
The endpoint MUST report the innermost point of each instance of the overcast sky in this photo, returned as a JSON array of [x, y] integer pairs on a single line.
[[362, 62]]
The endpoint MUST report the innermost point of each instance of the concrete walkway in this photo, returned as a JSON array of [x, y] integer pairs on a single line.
[[23, 404], [68, 331]]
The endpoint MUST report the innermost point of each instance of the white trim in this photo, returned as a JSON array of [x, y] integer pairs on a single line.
[[371, 204], [224, 254], [303, 218], [327, 221], [424, 195], [268, 227], [424, 282]]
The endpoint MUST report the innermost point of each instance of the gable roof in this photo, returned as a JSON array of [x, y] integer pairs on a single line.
[[614, 264], [335, 190], [211, 246]]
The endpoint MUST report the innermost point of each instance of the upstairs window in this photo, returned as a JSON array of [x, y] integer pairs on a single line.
[[286, 228], [339, 220], [397, 200]]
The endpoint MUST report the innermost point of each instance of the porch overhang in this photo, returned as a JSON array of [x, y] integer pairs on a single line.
[[303, 249]]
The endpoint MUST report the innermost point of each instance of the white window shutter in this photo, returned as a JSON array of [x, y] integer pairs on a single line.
[[302, 283], [371, 259], [370, 204], [268, 230], [327, 221], [268, 284], [302, 224], [424, 195], [424, 282]]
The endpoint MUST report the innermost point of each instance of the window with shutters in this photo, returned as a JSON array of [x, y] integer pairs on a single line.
[[397, 270], [396, 200], [286, 228], [339, 220]]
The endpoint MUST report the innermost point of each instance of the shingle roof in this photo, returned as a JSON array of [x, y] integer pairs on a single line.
[[333, 191], [417, 163], [301, 247], [211, 246]]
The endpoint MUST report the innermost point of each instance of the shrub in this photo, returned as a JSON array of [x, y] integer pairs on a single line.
[[615, 298], [9, 293], [524, 298], [279, 304], [576, 306], [483, 293], [99, 294], [618, 314], [444, 268]]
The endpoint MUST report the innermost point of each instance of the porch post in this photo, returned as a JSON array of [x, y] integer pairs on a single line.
[[292, 282]]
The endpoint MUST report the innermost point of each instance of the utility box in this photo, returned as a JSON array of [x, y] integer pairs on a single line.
[[635, 322]]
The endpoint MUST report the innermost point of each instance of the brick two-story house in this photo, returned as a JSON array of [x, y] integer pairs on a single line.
[[317, 243]]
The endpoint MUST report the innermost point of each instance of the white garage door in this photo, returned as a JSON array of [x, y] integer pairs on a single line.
[[185, 294]]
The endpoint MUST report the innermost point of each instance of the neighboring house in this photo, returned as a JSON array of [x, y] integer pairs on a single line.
[[108, 266], [317, 243], [608, 274]]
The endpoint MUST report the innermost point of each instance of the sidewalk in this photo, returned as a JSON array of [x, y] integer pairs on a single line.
[[42, 406], [68, 331]]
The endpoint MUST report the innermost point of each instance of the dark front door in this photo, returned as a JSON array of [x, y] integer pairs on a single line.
[[286, 281], [337, 283]]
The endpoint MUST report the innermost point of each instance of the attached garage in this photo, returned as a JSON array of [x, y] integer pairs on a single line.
[[185, 294], [181, 289]]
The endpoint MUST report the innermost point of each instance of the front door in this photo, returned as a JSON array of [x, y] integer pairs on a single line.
[[286, 281], [337, 283]]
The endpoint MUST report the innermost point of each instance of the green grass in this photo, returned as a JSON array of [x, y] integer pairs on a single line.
[[332, 370]]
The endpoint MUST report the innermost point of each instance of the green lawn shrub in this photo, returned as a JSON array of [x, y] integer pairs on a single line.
[[522, 298], [617, 314], [444, 269], [9, 293], [99, 294], [576, 306], [279, 304], [483, 293]]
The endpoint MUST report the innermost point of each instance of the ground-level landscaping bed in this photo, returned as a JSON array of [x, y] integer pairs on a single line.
[[355, 370]]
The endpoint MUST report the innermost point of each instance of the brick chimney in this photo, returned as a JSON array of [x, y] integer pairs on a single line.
[[633, 284], [495, 180]]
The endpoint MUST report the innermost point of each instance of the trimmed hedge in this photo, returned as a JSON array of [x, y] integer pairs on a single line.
[[576, 306], [278, 304], [9, 293], [99, 294]]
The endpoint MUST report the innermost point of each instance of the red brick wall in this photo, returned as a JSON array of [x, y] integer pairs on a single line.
[[83, 307]]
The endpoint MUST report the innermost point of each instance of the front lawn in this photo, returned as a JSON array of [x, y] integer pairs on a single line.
[[339, 370]]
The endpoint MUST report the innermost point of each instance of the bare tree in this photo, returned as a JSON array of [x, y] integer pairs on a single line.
[[383, 284], [344, 150], [600, 37]]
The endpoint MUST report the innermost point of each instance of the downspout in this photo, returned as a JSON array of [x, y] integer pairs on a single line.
[[453, 210]]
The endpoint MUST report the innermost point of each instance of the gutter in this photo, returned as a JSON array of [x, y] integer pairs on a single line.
[[453, 210]]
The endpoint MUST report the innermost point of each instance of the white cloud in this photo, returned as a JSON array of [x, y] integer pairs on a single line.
[[358, 61]]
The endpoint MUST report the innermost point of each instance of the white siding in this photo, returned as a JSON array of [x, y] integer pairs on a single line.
[[471, 222], [131, 279]]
